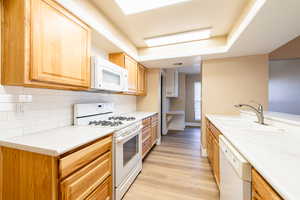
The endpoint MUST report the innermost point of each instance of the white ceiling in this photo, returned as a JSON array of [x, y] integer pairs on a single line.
[[275, 24], [190, 65], [191, 15], [195, 69]]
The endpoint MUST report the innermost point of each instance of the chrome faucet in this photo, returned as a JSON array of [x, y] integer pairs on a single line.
[[259, 111]]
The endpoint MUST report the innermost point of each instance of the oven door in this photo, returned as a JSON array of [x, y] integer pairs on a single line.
[[128, 154]]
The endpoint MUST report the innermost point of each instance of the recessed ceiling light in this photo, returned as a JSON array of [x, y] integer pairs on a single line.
[[178, 38], [137, 6]]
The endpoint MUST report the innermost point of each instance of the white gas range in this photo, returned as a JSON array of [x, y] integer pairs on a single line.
[[127, 142]]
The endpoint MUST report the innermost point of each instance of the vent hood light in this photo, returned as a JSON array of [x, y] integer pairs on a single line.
[[178, 38], [136, 6]]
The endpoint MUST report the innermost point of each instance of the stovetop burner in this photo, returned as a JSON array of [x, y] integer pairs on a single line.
[[105, 123], [121, 118]]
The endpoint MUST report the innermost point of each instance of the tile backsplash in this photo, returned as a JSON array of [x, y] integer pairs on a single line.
[[51, 109]]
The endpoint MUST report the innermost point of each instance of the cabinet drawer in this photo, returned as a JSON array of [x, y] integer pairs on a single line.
[[215, 132], [147, 121], [154, 118], [80, 158], [80, 184], [103, 192], [261, 190], [146, 133], [146, 145]]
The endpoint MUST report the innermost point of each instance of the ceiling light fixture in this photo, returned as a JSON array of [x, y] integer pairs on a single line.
[[136, 6], [178, 38]]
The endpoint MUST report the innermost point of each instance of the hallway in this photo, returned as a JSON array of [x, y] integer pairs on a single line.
[[174, 170]]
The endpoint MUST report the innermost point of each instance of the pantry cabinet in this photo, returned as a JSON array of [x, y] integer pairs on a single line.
[[137, 74], [172, 83], [83, 173], [44, 46]]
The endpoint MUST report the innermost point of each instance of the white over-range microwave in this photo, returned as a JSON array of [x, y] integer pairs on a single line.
[[108, 76]]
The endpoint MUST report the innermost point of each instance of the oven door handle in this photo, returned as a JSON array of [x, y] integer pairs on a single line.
[[121, 139]]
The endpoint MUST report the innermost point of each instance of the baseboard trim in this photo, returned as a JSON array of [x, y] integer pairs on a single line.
[[203, 152], [192, 124]]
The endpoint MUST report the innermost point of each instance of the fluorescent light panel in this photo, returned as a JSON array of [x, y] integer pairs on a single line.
[[137, 6], [178, 38]]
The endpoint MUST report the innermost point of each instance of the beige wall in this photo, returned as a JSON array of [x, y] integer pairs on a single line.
[[179, 102], [230, 81], [150, 102], [189, 102], [290, 50]]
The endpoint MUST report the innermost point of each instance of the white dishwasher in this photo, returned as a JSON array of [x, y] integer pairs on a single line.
[[235, 173]]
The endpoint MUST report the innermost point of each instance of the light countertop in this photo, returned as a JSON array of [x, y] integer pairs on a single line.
[[58, 141], [274, 152]]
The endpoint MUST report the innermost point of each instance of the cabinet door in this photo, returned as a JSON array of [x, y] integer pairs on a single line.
[[171, 83], [141, 80], [154, 133], [261, 190], [215, 161], [131, 66], [60, 46], [209, 145]]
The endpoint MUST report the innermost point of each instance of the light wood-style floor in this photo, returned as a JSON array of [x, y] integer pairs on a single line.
[[175, 170]]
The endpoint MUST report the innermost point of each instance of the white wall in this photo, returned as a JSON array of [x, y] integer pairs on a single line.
[[284, 86]]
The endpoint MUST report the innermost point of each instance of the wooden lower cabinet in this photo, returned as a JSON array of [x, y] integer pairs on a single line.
[[261, 190], [212, 141], [103, 192], [215, 160], [149, 134], [83, 182], [29, 175], [154, 129]]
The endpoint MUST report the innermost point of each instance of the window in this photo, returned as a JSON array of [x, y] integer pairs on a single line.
[[197, 100]]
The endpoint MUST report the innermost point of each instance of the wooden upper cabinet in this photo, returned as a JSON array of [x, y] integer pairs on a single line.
[[136, 72], [142, 80], [45, 46], [132, 67]]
